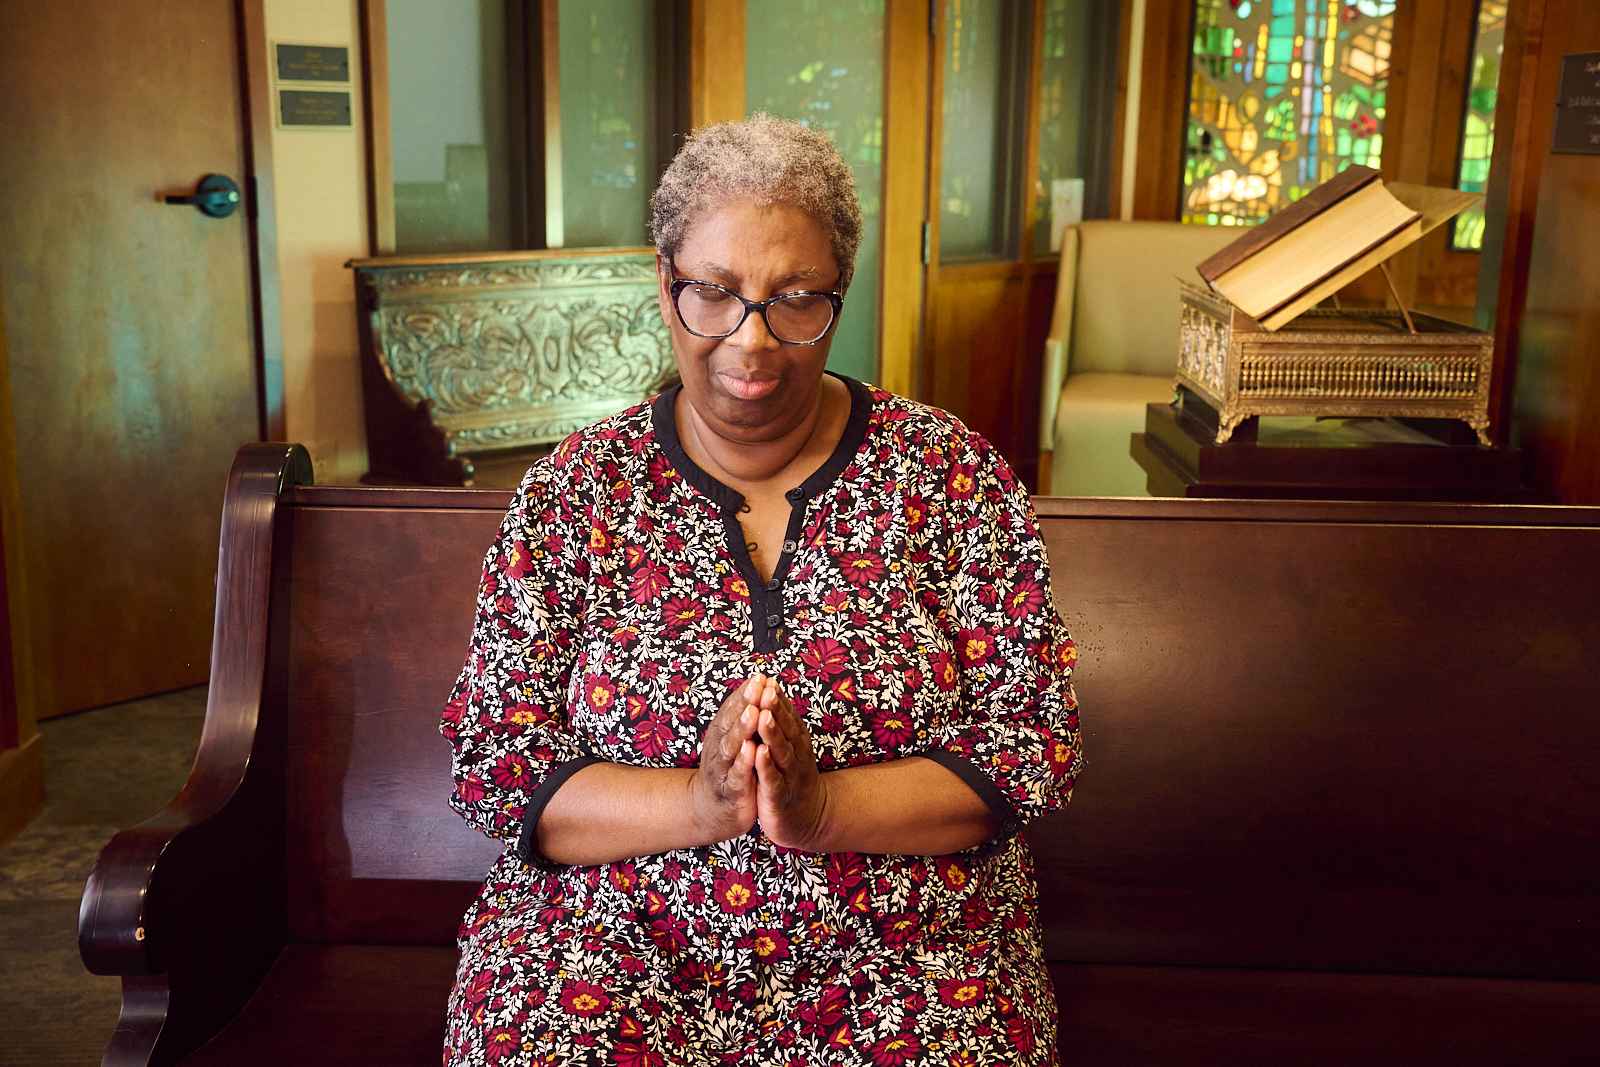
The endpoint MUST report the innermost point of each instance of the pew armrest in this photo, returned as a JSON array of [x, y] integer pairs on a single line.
[[187, 907]]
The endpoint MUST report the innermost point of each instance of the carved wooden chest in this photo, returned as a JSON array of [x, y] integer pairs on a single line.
[[474, 358], [1332, 362]]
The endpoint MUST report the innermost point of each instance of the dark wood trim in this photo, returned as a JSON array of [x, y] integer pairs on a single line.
[[934, 387], [550, 112], [1021, 395], [379, 132], [1352, 512], [1428, 75], [188, 964], [16, 705], [21, 744], [1131, 508], [906, 106], [716, 61], [1119, 112], [432, 259], [1163, 109], [526, 201], [390, 496], [1030, 134], [255, 87], [1522, 137]]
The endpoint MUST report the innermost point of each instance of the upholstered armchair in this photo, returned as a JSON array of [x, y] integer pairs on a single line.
[[1113, 348]]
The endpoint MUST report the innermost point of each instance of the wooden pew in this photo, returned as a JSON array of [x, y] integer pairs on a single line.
[[1340, 804]]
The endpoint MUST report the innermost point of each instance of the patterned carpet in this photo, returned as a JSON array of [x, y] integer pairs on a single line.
[[104, 770]]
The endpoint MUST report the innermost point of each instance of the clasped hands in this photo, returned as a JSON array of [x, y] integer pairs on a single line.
[[756, 763]]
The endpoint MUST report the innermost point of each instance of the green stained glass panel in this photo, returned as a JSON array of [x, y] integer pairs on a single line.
[[1477, 137], [821, 62], [1283, 95]]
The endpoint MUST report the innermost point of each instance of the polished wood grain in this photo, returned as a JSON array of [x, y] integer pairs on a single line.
[[1163, 109], [1557, 404], [906, 74], [317, 1007], [263, 211], [155, 909], [1430, 67], [1115, 1016], [1523, 129], [262, 205], [1301, 761], [1119, 107], [550, 103], [716, 61], [130, 331], [1180, 457], [379, 131], [1290, 752], [21, 747]]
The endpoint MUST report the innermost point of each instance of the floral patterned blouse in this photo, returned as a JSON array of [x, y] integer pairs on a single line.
[[910, 614]]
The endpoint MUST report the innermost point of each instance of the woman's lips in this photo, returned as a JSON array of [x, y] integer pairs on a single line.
[[747, 388]]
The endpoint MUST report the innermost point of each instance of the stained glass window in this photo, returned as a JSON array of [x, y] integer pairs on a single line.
[[1283, 95], [1477, 137]]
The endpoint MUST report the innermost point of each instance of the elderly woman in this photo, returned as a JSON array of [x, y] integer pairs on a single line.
[[765, 678]]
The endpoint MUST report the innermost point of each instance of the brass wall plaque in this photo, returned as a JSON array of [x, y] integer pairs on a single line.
[[313, 63], [313, 107], [1578, 109]]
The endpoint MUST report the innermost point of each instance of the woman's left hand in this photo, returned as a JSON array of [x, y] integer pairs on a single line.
[[791, 796]]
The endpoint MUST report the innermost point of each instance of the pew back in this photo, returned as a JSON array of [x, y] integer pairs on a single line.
[[1340, 737]]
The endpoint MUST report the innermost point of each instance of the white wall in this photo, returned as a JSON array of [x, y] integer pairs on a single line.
[[320, 185]]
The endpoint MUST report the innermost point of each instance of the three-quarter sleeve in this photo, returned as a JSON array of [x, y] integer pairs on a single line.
[[507, 717], [1014, 738]]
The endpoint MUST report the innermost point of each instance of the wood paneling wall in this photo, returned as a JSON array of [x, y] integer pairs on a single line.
[[1553, 344], [1521, 116], [906, 89], [716, 61], [21, 747], [1162, 109], [1429, 73]]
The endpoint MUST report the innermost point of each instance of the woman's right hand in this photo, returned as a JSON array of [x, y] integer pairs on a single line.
[[722, 790]]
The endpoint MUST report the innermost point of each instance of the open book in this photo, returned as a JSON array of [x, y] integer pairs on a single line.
[[1328, 238]]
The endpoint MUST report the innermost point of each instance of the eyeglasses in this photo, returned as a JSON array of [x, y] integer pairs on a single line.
[[714, 311]]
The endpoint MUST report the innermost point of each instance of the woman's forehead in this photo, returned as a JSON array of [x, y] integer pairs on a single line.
[[745, 239]]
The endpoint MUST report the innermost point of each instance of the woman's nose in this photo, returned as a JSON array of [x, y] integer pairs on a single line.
[[753, 335]]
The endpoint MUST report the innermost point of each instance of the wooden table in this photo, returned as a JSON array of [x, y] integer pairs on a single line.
[[1322, 459]]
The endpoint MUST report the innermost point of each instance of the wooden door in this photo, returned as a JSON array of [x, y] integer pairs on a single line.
[[1020, 93], [131, 342]]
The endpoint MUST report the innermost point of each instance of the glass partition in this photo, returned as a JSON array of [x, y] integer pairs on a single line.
[[450, 135], [1077, 80], [821, 63], [608, 149], [984, 105]]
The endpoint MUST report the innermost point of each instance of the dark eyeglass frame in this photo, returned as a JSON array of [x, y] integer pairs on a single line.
[[834, 297]]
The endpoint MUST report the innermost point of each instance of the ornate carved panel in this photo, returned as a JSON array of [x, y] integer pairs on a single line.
[[515, 352], [1332, 362]]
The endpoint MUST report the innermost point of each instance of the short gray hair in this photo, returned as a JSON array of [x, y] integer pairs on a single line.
[[770, 160]]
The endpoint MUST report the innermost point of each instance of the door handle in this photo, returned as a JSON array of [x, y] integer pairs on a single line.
[[216, 196]]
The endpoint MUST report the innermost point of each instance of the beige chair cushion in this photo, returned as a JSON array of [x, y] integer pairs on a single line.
[[1095, 417], [1125, 314]]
